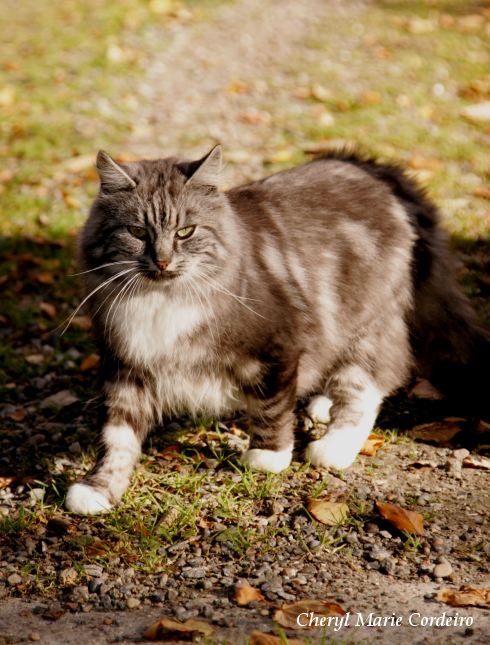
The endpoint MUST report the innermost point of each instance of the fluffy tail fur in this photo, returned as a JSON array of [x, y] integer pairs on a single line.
[[451, 348]]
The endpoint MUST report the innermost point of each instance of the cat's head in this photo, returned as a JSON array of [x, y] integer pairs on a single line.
[[164, 221]]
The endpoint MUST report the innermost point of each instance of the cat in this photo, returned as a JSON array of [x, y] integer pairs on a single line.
[[331, 280]]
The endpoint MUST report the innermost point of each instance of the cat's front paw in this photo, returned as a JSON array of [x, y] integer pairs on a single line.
[[83, 499], [331, 452], [271, 461]]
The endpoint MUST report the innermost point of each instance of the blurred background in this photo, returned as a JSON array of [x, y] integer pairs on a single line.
[[276, 81]]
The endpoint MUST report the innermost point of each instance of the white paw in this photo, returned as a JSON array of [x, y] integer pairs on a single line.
[[332, 451], [85, 500], [272, 461], [319, 409]]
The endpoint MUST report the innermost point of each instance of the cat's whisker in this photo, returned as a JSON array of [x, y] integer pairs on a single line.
[[118, 297], [228, 293], [93, 292], [102, 266]]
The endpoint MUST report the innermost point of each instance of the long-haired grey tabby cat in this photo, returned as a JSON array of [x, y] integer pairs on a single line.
[[330, 280]]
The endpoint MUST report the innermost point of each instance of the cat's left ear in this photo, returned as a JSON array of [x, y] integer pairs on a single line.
[[113, 177], [205, 171]]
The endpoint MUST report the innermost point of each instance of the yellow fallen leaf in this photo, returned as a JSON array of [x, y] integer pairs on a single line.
[[169, 630], [81, 322], [328, 512], [287, 615], [245, 593], [466, 596], [400, 518], [372, 444]]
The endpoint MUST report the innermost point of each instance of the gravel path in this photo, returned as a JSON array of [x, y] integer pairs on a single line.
[[234, 78]]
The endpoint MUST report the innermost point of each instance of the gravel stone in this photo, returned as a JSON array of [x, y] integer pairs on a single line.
[[132, 602], [14, 579], [443, 570]]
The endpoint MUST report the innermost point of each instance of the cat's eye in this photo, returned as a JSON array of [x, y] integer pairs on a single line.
[[137, 231], [184, 233]]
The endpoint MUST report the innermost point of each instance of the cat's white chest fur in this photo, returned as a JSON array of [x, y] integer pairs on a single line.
[[155, 332], [153, 326]]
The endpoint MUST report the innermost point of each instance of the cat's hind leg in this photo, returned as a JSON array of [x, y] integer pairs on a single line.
[[356, 402]]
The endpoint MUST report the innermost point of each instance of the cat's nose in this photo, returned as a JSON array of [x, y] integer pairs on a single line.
[[162, 264]]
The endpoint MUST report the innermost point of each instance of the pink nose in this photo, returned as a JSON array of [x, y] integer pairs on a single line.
[[162, 264]]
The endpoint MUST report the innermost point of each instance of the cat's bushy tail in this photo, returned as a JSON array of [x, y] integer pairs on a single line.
[[451, 348]]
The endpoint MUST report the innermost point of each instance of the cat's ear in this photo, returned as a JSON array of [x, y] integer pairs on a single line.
[[113, 177], [206, 171]]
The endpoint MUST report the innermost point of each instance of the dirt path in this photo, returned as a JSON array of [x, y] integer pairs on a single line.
[[234, 77]]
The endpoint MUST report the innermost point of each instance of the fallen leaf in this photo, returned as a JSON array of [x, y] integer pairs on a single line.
[[477, 113], [423, 389], [328, 512], [245, 593], [90, 362], [59, 400], [258, 638], [476, 461], [372, 444], [417, 162], [71, 201], [370, 97], [81, 322], [43, 277], [238, 87], [482, 191], [400, 518], [6, 481], [466, 596], [48, 309], [287, 615], [18, 415], [169, 630], [439, 432]]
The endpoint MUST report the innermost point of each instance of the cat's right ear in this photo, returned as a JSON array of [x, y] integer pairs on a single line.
[[113, 177]]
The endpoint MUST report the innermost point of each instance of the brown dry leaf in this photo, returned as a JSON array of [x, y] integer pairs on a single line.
[[238, 87], [90, 362], [372, 444], [18, 415], [466, 596], [417, 162], [170, 452], [328, 512], [81, 322], [48, 309], [71, 201], [169, 630], [258, 638], [440, 432], [6, 481], [43, 277], [423, 389], [287, 615], [35, 359], [476, 461], [370, 97], [245, 593], [400, 518], [482, 191]]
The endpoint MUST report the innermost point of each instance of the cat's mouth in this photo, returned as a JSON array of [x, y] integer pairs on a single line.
[[161, 276]]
